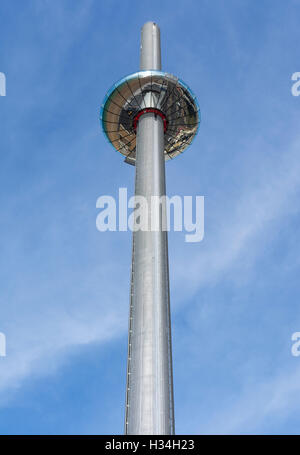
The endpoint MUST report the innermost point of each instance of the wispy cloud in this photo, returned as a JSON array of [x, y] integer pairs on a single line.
[[274, 398], [239, 228]]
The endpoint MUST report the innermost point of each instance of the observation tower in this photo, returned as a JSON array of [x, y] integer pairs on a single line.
[[150, 117]]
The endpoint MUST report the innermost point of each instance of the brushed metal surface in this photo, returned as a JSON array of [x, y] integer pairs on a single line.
[[150, 58], [149, 394]]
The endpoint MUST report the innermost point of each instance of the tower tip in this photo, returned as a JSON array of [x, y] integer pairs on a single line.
[[150, 58], [151, 24]]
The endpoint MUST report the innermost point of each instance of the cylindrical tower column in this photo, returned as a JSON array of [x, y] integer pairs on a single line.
[[150, 56], [149, 396]]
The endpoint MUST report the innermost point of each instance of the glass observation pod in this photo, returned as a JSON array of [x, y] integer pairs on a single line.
[[150, 91]]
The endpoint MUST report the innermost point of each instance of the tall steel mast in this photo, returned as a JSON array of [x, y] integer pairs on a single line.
[[150, 116], [149, 403]]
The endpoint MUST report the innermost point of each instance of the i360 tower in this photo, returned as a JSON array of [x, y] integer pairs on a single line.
[[150, 116]]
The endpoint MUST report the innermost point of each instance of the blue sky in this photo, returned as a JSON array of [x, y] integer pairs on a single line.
[[65, 286]]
